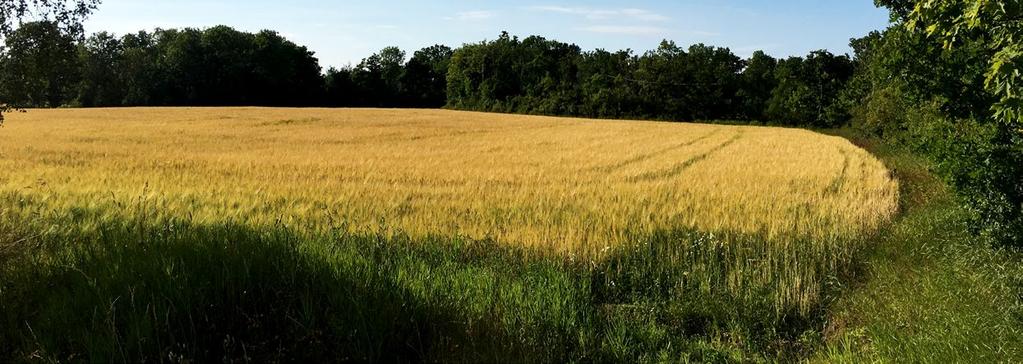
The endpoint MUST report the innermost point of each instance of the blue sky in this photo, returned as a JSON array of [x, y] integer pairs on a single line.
[[343, 32]]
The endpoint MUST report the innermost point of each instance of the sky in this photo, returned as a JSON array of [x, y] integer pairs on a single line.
[[345, 32]]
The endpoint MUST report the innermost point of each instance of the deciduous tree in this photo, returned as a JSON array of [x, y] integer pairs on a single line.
[[40, 67], [66, 14]]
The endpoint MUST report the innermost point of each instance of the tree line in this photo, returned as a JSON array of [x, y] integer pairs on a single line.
[[944, 79], [701, 82], [47, 67]]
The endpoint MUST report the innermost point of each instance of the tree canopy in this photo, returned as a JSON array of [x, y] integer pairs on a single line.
[[66, 15], [945, 78], [40, 67]]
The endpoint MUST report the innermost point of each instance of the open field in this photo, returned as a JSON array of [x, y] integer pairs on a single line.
[[563, 184], [205, 194], [422, 235]]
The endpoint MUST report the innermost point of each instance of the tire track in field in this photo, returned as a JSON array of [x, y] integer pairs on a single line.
[[681, 167], [837, 183], [487, 131], [406, 137], [647, 156]]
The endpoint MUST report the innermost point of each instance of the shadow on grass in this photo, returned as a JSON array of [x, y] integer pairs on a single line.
[[228, 293], [764, 297], [173, 291]]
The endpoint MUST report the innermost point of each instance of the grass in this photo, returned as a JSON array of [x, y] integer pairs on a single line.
[[141, 290], [378, 235], [228, 292], [931, 291]]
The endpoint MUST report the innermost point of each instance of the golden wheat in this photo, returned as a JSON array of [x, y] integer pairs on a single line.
[[559, 183]]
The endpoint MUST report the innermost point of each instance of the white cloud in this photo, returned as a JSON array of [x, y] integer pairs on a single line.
[[603, 14], [640, 14], [625, 30], [475, 15], [705, 33]]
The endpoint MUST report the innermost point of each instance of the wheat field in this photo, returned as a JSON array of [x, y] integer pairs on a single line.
[[568, 185]]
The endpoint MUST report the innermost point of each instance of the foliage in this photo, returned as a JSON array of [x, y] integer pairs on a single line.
[[698, 83], [606, 84], [378, 77], [221, 66], [40, 66], [65, 15], [386, 79], [102, 57], [966, 301], [758, 82], [535, 75], [701, 82], [957, 58], [424, 80], [986, 165], [215, 66], [808, 90], [996, 23]]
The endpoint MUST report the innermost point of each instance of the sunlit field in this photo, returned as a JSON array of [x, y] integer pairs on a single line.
[[422, 235], [568, 185]]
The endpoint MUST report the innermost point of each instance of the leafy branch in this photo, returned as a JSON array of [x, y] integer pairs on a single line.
[[996, 22], [67, 14]]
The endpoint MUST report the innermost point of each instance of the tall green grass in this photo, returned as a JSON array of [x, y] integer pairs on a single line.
[[931, 289], [84, 283]]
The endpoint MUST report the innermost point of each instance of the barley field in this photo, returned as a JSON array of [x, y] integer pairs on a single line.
[[423, 235], [568, 185]]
